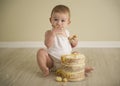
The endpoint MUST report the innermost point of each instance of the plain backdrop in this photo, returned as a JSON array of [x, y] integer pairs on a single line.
[[91, 20]]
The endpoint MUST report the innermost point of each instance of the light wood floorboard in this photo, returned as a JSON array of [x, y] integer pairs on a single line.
[[18, 67]]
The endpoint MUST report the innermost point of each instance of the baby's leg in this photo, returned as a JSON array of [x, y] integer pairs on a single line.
[[44, 61]]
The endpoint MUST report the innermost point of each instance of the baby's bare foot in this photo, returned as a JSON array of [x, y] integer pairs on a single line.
[[46, 72], [89, 69]]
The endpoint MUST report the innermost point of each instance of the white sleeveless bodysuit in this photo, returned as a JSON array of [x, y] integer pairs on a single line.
[[60, 47]]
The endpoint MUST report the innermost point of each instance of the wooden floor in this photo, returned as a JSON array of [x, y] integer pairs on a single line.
[[18, 67]]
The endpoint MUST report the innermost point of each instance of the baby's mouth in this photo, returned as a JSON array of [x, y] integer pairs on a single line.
[[58, 27]]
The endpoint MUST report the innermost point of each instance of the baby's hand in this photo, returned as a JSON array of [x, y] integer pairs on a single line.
[[57, 27], [73, 38]]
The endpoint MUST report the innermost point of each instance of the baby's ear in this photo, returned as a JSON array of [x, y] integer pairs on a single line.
[[69, 21], [50, 19]]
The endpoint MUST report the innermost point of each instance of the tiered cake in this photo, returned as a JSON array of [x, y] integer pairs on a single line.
[[73, 67]]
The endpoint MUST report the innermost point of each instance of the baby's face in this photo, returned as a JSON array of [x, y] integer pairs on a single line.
[[60, 20]]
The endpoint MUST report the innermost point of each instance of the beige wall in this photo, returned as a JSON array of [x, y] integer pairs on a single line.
[[27, 20]]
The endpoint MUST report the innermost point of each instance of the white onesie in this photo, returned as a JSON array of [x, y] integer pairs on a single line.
[[60, 47]]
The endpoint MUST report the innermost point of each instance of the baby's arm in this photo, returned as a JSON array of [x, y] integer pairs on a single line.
[[49, 38], [73, 40]]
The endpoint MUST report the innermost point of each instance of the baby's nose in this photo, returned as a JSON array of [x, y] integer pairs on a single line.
[[59, 22]]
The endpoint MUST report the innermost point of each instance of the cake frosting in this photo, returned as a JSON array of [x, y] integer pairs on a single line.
[[73, 67]]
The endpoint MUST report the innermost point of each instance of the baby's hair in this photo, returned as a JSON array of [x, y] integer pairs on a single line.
[[60, 9]]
